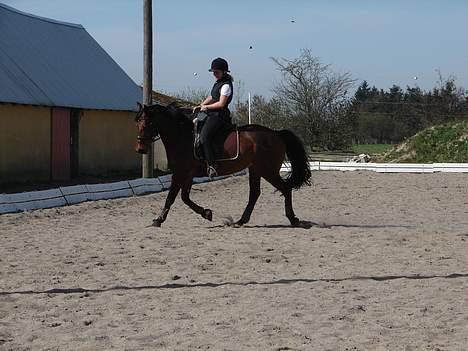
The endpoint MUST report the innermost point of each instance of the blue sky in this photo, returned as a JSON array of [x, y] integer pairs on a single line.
[[382, 41]]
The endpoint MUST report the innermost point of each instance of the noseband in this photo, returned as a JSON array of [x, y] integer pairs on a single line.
[[150, 139], [144, 139]]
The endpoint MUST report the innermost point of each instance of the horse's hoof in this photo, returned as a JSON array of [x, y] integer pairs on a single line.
[[156, 223], [208, 214], [297, 223], [238, 224], [305, 224]]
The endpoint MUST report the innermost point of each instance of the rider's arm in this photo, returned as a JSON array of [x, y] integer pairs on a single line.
[[226, 92], [207, 101], [222, 103]]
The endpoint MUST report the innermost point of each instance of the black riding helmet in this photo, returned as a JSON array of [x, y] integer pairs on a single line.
[[219, 64]]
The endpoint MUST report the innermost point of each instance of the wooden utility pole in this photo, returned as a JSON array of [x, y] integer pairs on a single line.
[[148, 159]]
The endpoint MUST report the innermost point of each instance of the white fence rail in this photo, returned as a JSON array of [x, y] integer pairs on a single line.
[[10, 203], [385, 167]]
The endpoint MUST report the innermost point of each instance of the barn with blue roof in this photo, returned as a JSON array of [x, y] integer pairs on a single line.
[[66, 107]]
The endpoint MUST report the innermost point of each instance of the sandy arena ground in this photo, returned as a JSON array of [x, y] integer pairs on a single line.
[[390, 273]]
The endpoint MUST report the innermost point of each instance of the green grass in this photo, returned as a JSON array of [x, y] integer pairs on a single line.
[[371, 149], [443, 143]]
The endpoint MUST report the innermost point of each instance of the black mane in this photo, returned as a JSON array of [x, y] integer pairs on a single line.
[[175, 111], [184, 115]]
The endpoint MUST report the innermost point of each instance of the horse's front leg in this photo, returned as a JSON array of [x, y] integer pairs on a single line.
[[205, 213], [173, 191]]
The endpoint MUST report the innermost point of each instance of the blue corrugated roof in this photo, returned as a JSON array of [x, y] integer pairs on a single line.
[[51, 63]]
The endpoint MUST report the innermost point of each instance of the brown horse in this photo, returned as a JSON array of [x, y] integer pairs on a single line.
[[262, 151]]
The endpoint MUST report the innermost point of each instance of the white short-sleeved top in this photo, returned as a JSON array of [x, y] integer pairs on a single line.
[[226, 90]]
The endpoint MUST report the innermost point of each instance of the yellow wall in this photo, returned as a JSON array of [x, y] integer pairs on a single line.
[[24, 143], [107, 143]]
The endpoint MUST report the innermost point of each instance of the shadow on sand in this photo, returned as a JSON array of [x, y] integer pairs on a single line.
[[221, 284], [228, 222]]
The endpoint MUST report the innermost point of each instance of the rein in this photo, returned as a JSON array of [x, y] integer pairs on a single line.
[[151, 140]]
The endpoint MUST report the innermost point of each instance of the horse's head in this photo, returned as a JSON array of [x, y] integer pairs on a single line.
[[147, 131], [151, 120]]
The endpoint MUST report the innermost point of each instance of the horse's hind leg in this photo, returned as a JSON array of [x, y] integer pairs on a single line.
[[205, 213], [285, 189], [254, 193], [173, 191]]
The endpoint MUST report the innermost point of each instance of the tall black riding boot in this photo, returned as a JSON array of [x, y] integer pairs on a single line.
[[210, 160]]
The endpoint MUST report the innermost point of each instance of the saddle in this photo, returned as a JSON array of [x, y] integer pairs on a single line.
[[225, 143]]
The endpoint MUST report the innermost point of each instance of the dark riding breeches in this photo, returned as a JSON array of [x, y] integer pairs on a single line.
[[212, 126]]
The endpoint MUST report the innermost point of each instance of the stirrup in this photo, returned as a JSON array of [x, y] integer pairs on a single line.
[[211, 171]]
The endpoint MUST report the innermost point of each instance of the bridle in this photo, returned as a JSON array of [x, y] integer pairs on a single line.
[[148, 124], [148, 140]]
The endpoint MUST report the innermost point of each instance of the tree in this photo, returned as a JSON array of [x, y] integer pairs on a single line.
[[316, 98], [193, 95], [393, 115], [363, 92], [268, 113]]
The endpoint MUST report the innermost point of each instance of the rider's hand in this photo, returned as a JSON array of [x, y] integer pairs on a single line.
[[203, 108], [196, 109]]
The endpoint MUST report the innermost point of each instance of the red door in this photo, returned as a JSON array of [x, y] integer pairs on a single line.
[[60, 144]]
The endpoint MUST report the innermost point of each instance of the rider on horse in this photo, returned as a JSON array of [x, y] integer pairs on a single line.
[[216, 106]]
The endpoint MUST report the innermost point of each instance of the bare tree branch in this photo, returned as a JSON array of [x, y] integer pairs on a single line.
[[315, 95]]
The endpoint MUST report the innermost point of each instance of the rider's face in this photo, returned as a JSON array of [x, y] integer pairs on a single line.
[[218, 74]]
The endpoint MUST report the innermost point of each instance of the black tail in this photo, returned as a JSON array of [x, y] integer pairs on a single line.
[[300, 170]]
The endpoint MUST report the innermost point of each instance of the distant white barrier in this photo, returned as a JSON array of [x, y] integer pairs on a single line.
[[385, 167], [70, 195], [451, 167]]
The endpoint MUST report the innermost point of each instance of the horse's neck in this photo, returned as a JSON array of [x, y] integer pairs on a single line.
[[177, 142]]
